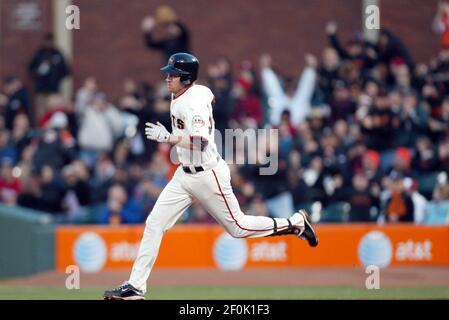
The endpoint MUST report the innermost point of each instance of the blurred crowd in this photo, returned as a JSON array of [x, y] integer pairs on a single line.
[[363, 135]]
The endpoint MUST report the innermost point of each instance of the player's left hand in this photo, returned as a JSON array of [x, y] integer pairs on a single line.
[[156, 132]]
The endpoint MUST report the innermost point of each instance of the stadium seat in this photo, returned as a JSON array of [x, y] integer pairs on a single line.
[[305, 205], [93, 213], [336, 212], [427, 182], [313, 208]]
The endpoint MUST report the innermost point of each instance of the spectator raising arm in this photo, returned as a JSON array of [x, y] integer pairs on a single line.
[[300, 104], [277, 98], [331, 30]]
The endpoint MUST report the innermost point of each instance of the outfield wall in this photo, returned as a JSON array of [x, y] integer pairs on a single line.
[[97, 248], [27, 241]]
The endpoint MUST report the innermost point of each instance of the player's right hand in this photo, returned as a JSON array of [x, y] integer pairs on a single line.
[[156, 132]]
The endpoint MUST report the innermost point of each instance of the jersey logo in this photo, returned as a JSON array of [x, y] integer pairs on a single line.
[[177, 122], [198, 122]]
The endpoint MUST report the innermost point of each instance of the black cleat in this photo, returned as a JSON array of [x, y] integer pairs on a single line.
[[309, 232], [124, 292]]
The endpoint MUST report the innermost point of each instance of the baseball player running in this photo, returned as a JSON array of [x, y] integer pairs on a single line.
[[203, 175]]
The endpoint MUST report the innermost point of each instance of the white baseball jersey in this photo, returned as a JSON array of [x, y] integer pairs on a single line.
[[191, 115]]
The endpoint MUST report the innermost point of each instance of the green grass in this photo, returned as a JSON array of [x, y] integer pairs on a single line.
[[231, 293]]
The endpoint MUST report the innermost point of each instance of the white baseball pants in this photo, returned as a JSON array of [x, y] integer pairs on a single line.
[[212, 188]]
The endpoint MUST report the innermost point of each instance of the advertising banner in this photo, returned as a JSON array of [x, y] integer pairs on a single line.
[[97, 248]]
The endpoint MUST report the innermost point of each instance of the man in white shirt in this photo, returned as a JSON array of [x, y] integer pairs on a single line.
[[203, 175]]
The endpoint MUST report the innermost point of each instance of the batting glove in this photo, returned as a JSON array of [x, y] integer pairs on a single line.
[[156, 132]]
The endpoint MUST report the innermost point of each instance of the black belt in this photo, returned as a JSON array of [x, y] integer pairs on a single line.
[[197, 169]]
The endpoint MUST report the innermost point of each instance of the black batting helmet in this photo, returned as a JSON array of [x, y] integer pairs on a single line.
[[183, 64]]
